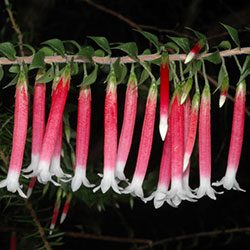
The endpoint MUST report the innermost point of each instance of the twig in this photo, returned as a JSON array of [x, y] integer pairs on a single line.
[[124, 59], [113, 13], [4, 158], [109, 238], [40, 229], [15, 27], [197, 235]]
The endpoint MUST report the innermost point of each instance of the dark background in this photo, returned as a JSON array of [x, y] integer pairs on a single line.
[[75, 20]]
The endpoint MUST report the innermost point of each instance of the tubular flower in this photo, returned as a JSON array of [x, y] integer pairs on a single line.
[[192, 130], [82, 138], [127, 131], [229, 180], [194, 51], [55, 165], [38, 123], [53, 126], [205, 146], [187, 119], [160, 195], [135, 187], [177, 193], [223, 92], [110, 137], [66, 208], [164, 96], [19, 136]]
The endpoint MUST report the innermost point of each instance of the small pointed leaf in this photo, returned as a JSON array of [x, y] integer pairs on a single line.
[[91, 78], [173, 46], [144, 77], [102, 42], [8, 50], [182, 42], [56, 45], [87, 52], [225, 45], [198, 34], [233, 33], [152, 38], [214, 57], [14, 68], [130, 48], [13, 82], [245, 69], [47, 51], [38, 61], [48, 76]]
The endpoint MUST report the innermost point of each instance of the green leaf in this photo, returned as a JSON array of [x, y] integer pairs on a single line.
[[99, 53], [29, 47], [102, 42], [91, 78], [77, 45], [1, 72], [214, 57], [182, 42], [14, 68], [173, 46], [198, 34], [56, 45], [47, 51], [245, 69], [225, 45], [74, 69], [144, 77], [48, 76], [233, 33], [38, 61], [130, 48], [86, 52], [120, 71], [152, 38], [13, 82], [8, 50]]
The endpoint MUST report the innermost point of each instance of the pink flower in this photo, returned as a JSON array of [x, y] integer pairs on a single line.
[[19, 137], [229, 180]]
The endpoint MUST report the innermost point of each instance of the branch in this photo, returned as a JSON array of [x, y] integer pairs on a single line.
[[40, 229], [15, 27], [124, 59], [113, 13], [197, 235]]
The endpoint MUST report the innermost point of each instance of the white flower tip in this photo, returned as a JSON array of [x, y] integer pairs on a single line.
[[135, 190], [33, 165], [120, 176], [52, 227], [163, 128], [63, 217], [229, 182], [222, 100], [185, 162], [76, 183], [189, 57], [206, 190]]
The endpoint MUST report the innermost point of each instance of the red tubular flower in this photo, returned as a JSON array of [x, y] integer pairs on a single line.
[[82, 138], [19, 136], [195, 50], [135, 187], [229, 180], [66, 208], [205, 146], [192, 129], [164, 96], [160, 195], [110, 137], [127, 131], [53, 127], [38, 124], [13, 241], [223, 92], [187, 119], [177, 192]]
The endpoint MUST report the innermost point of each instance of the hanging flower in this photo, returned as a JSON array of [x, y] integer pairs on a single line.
[[229, 180], [19, 136], [135, 187]]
